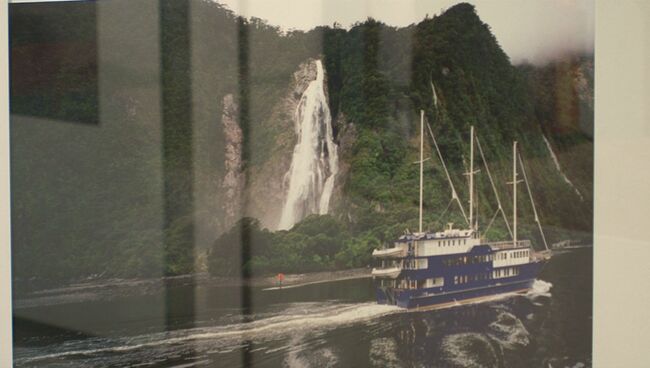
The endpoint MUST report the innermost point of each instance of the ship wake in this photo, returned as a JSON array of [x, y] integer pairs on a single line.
[[297, 318]]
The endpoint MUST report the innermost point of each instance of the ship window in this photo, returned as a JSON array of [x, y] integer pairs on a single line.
[[455, 280]]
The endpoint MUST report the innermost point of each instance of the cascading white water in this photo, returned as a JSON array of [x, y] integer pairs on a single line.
[[559, 169], [314, 164]]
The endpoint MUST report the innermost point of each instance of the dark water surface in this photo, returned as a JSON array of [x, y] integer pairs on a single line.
[[323, 325]]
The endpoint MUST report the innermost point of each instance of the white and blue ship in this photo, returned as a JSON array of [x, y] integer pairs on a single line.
[[456, 265]]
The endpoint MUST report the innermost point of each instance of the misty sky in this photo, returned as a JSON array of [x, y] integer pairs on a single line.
[[532, 30]]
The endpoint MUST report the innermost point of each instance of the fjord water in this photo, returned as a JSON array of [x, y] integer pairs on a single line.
[[314, 163], [334, 324]]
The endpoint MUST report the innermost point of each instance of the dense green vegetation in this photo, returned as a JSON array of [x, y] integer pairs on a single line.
[[100, 199], [377, 86]]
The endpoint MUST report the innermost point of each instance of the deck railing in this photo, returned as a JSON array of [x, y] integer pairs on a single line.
[[509, 244]]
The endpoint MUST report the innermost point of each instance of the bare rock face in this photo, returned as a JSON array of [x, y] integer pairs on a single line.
[[582, 75], [267, 184], [233, 181], [347, 135]]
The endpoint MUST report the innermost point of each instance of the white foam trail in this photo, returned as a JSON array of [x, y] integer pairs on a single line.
[[559, 169], [300, 355], [314, 163], [383, 353], [509, 331], [303, 321], [540, 288], [464, 350]]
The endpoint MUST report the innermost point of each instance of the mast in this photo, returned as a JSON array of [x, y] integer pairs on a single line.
[[471, 179], [514, 193], [421, 163], [532, 202]]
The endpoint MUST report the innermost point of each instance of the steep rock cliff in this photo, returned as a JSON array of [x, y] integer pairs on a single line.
[[234, 178]]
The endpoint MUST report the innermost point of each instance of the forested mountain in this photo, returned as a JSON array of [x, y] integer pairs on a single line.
[[179, 160]]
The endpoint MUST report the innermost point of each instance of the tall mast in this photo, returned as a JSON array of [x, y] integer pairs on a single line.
[[471, 179], [514, 193], [421, 163]]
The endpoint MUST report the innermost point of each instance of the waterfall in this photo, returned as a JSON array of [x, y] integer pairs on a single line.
[[559, 169], [314, 163]]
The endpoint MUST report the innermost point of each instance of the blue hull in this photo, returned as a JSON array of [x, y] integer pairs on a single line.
[[451, 293], [409, 301]]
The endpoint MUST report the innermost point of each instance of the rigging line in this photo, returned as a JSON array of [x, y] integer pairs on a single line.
[[444, 212], [491, 221], [494, 188], [454, 195], [530, 194]]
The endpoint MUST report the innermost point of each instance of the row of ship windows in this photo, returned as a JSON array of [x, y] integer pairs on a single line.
[[505, 272], [463, 260], [422, 263], [499, 273], [518, 254], [420, 284], [413, 284], [445, 243], [458, 279], [416, 264]]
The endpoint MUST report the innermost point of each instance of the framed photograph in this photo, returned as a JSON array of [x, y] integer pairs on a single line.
[[199, 183]]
